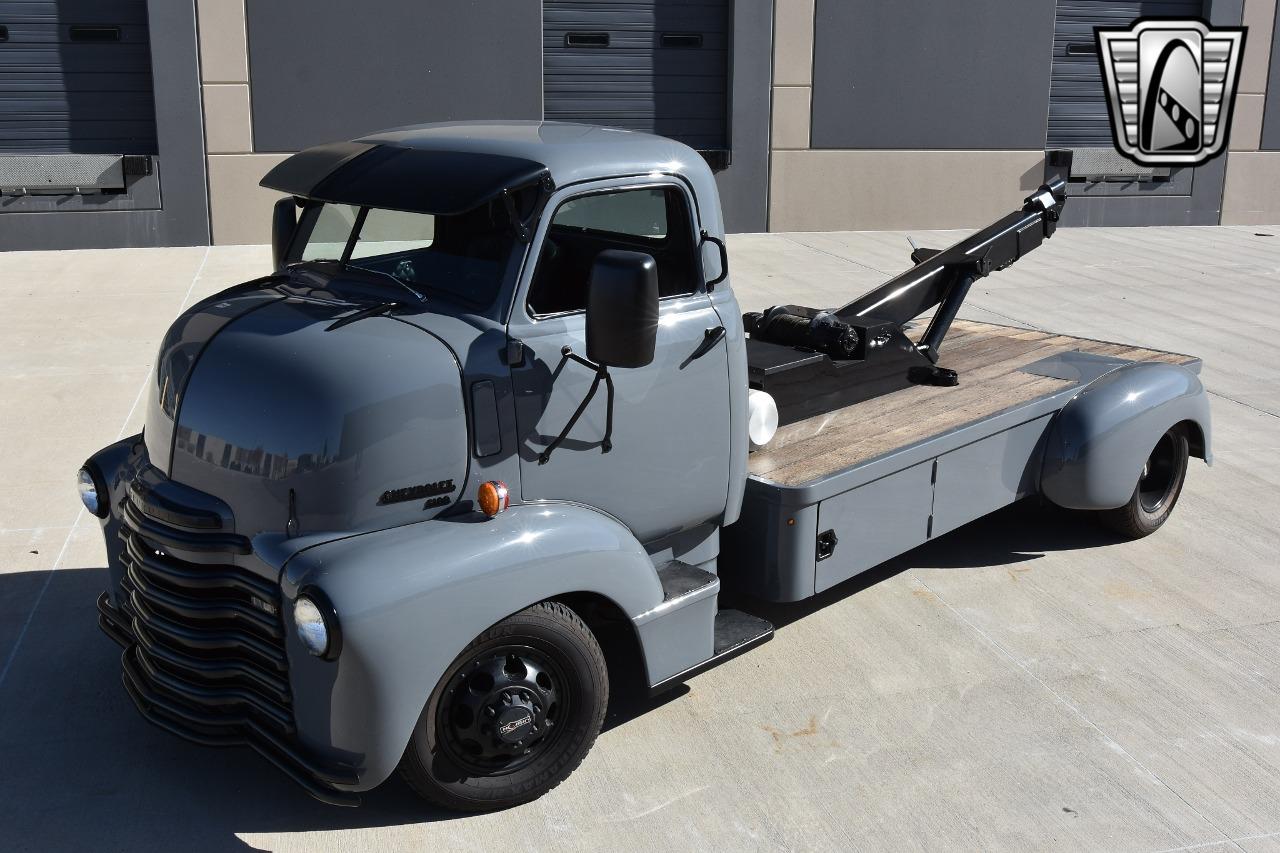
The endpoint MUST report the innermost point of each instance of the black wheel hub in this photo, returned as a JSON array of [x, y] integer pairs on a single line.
[[1158, 475], [500, 710]]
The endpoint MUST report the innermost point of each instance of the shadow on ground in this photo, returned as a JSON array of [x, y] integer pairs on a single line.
[[83, 770]]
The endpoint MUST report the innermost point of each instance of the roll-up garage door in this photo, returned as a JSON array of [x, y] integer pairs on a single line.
[[1077, 104], [75, 93], [655, 65]]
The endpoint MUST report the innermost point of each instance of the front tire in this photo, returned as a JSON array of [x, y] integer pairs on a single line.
[[514, 714], [1157, 491]]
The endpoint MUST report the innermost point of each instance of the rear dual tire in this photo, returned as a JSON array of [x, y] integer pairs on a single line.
[[513, 716]]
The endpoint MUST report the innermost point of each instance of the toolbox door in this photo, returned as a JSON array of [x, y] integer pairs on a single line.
[[982, 477], [870, 524]]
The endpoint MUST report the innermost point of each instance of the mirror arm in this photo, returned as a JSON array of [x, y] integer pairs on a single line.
[[602, 373], [724, 259]]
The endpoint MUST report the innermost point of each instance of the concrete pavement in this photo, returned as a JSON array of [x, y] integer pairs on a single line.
[[1023, 683]]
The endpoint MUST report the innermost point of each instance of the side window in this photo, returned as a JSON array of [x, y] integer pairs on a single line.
[[636, 213], [652, 220]]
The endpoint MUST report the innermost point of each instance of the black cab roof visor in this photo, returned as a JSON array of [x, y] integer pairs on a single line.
[[444, 183]]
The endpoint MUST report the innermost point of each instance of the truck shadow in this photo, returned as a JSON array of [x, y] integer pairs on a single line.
[[1020, 533], [82, 770]]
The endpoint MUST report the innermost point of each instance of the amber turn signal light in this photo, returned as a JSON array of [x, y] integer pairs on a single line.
[[492, 497]]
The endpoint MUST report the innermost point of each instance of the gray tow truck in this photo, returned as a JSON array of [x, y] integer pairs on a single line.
[[497, 402]]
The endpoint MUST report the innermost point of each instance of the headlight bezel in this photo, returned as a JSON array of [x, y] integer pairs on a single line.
[[102, 498], [328, 618]]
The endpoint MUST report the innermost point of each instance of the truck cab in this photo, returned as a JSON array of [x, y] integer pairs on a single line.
[[496, 401]]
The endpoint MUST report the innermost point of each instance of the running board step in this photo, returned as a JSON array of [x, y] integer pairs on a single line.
[[681, 580], [735, 633]]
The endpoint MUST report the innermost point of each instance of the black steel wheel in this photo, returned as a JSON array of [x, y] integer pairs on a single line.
[[513, 716], [1157, 491]]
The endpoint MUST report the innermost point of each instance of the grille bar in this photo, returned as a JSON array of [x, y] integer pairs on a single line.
[[214, 610], [196, 578], [224, 698], [181, 539], [230, 643], [216, 670]]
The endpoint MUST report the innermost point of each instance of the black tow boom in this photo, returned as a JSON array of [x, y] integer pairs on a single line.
[[812, 361]]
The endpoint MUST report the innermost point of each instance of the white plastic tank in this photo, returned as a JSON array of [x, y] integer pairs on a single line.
[[762, 418]]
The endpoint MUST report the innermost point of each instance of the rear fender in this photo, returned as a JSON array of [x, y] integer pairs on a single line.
[[1100, 440], [409, 599]]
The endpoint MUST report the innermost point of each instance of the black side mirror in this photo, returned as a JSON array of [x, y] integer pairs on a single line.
[[622, 309], [284, 220]]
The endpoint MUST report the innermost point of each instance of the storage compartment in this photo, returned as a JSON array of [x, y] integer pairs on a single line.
[[870, 524], [984, 476]]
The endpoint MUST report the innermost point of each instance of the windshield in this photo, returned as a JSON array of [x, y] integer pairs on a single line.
[[459, 257]]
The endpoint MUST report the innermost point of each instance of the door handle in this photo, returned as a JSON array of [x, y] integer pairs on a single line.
[[710, 338]]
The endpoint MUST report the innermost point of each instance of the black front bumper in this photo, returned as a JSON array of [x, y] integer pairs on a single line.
[[204, 653]]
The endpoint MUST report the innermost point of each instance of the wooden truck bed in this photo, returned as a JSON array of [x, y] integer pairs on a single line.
[[989, 359]]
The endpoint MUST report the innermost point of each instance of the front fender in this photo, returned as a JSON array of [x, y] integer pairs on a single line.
[[1100, 440], [409, 599]]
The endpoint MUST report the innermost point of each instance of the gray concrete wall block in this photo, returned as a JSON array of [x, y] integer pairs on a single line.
[[921, 74]]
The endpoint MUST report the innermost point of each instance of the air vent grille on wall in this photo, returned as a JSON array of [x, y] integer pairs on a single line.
[[64, 174], [1106, 164]]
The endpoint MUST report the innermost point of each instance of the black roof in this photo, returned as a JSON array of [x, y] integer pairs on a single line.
[[401, 178]]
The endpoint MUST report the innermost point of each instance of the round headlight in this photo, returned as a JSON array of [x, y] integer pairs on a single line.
[[312, 630], [87, 484], [317, 624]]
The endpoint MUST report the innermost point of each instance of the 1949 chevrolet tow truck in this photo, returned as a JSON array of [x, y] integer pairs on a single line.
[[498, 396]]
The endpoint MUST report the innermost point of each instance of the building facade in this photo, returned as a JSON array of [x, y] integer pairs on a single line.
[[150, 122]]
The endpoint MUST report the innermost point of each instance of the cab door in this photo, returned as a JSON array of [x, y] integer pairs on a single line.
[[668, 467]]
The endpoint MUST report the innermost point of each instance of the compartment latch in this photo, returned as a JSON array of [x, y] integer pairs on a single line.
[[827, 541]]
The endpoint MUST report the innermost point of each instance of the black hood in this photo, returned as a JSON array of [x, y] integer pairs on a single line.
[[259, 403]]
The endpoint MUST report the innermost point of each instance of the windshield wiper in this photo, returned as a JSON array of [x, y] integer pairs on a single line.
[[346, 267], [370, 311]]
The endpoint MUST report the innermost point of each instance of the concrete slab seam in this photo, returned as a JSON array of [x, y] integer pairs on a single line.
[[1205, 844], [805, 245]]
